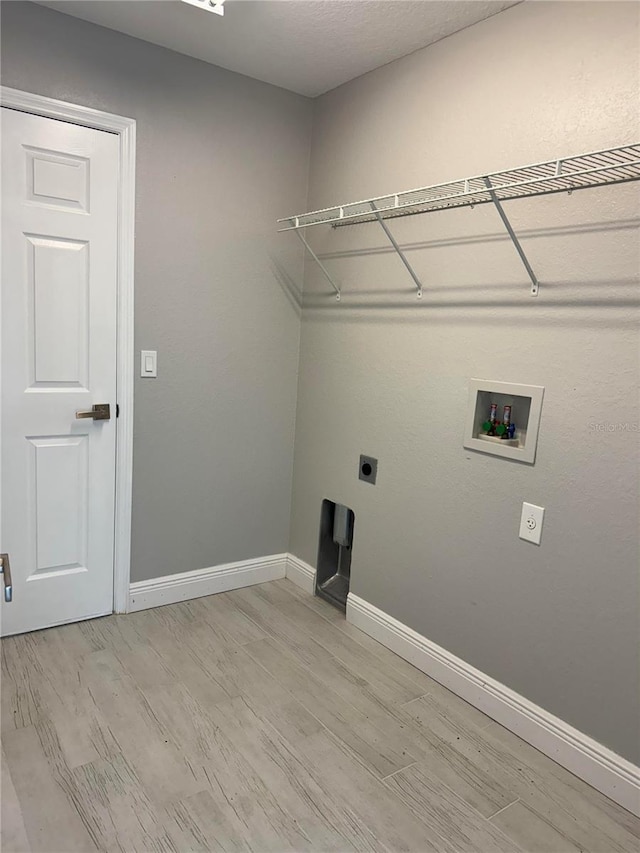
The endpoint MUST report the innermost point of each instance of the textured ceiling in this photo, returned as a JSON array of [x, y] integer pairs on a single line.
[[307, 46]]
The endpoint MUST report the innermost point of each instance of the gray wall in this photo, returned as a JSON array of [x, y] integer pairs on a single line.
[[436, 542], [220, 156]]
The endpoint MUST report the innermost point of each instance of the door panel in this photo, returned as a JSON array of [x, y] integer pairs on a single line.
[[59, 274], [57, 179], [58, 283], [59, 500]]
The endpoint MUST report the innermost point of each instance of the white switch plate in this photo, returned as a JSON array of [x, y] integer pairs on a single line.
[[531, 523], [148, 363]]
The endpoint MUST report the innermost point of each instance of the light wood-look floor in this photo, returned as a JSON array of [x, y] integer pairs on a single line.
[[260, 720]]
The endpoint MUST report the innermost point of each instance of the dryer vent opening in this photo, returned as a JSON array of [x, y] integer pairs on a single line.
[[334, 553]]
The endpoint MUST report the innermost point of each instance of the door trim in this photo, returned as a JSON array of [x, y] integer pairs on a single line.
[[125, 129]]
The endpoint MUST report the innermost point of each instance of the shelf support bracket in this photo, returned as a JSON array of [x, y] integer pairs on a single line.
[[535, 285], [384, 227], [320, 264]]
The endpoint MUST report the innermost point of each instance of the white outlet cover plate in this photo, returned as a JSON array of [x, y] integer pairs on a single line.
[[531, 523]]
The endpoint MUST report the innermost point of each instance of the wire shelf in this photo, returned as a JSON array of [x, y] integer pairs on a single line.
[[599, 168]]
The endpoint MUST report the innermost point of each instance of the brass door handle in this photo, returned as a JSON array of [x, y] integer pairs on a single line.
[[5, 570], [99, 412]]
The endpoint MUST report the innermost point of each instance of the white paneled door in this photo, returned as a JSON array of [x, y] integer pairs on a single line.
[[58, 344]]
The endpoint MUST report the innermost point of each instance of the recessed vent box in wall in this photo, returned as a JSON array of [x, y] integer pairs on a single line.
[[503, 419], [334, 553]]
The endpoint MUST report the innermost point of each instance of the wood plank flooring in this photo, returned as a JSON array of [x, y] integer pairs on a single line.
[[260, 720]]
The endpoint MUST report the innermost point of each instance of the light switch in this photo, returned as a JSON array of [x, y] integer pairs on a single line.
[[531, 523], [149, 363]]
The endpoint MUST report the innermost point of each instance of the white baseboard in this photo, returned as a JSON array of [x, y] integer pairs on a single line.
[[609, 773], [301, 574], [181, 587], [601, 768]]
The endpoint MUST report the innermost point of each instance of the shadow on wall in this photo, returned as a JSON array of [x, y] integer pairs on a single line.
[[497, 237], [291, 290], [392, 306], [511, 298]]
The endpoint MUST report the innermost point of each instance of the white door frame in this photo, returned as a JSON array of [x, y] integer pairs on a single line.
[[125, 128]]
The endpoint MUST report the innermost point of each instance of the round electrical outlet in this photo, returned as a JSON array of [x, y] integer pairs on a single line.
[[368, 469], [531, 523]]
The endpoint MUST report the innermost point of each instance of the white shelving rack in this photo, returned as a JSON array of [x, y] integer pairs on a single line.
[[595, 169]]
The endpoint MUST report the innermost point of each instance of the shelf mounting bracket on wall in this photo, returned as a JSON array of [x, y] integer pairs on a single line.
[[398, 250], [535, 286], [320, 264]]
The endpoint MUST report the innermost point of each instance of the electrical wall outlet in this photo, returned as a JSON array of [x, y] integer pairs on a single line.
[[368, 470], [531, 523]]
